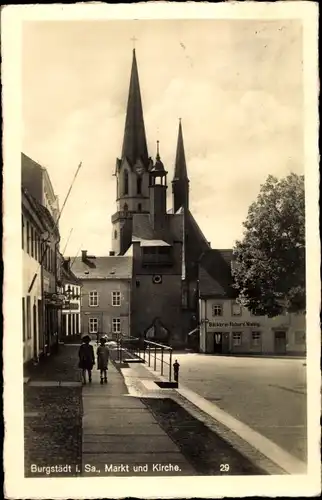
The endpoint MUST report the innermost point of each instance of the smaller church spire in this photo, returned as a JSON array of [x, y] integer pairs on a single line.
[[180, 183], [180, 171]]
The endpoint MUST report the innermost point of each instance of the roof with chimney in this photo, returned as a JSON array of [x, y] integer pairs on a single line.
[[112, 267], [215, 276], [134, 142]]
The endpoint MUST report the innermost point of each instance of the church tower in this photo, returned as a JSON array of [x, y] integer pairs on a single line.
[[158, 194], [180, 183], [132, 177]]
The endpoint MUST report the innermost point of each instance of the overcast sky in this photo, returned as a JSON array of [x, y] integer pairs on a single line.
[[236, 84]]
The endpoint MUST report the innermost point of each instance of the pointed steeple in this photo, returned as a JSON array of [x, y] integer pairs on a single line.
[[180, 183], [180, 170], [134, 142]]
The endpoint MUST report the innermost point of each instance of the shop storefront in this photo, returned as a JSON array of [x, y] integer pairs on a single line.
[[222, 333]]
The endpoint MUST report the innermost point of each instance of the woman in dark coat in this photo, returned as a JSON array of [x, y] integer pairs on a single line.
[[86, 358]]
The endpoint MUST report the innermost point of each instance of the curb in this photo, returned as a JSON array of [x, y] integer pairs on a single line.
[[274, 459]]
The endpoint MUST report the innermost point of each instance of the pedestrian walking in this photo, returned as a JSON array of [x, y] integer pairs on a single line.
[[86, 358], [103, 355]]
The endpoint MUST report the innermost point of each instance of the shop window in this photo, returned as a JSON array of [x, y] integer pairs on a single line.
[[93, 325], [237, 338], [116, 325], [93, 299], [256, 338], [116, 298], [217, 310], [236, 309]]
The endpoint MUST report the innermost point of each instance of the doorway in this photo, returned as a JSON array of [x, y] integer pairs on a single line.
[[280, 342], [218, 343], [35, 335]]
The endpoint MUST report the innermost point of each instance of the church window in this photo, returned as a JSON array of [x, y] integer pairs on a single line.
[[126, 183], [139, 185], [115, 234], [126, 207], [139, 207]]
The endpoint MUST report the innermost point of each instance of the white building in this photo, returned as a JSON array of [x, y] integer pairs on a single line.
[[71, 312], [32, 305], [226, 327]]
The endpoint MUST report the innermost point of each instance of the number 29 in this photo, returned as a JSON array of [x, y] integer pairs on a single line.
[[224, 467]]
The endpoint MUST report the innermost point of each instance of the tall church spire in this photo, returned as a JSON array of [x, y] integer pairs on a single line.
[[180, 183], [134, 142]]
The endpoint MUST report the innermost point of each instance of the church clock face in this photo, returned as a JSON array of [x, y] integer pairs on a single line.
[[139, 169]]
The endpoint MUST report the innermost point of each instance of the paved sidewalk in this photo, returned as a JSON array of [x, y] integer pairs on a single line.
[[121, 436], [140, 380]]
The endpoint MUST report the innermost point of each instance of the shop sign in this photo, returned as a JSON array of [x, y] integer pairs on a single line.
[[232, 324]]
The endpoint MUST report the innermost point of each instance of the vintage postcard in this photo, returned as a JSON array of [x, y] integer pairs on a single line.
[[161, 250]]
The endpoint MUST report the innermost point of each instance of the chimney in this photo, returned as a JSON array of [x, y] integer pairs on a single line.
[[84, 255], [111, 254]]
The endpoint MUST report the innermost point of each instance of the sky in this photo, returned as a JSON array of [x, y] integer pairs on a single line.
[[236, 84]]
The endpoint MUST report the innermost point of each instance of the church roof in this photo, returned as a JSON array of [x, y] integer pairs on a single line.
[[215, 277], [195, 243], [119, 267], [180, 169], [151, 243], [143, 229], [134, 142]]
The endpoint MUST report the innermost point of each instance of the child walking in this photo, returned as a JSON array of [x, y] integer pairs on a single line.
[[102, 359]]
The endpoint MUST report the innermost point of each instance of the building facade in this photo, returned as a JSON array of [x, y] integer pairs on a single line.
[[228, 328], [42, 300], [71, 310], [32, 300], [36, 180], [105, 294]]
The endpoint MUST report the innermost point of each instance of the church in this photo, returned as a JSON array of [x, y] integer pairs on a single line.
[[164, 243]]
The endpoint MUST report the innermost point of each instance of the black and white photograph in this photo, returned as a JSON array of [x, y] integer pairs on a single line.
[[161, 250]]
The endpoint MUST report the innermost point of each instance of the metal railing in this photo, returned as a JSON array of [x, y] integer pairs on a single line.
[[148, 352]]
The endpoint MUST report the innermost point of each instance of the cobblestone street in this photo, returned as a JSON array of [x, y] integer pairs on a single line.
[[53, 414]]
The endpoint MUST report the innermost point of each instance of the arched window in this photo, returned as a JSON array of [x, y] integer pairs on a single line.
[[115, 234], [139, 207], [126, 182], [126, 207], [139, 185]]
